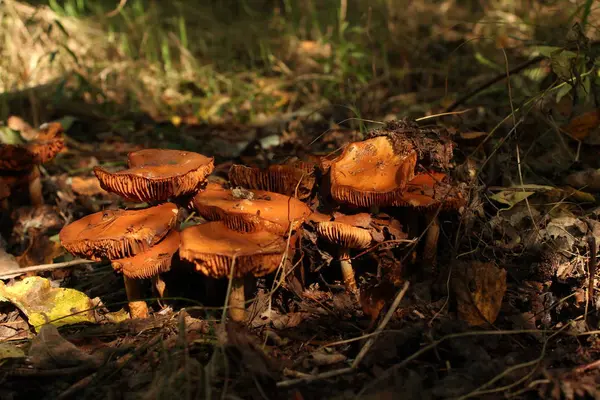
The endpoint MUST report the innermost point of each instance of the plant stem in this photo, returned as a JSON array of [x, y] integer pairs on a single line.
[[237, 300]]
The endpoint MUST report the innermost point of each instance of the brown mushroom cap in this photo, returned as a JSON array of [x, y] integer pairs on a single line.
[[48, 143], [158, 175], [346, 235], [247, 211], [212, 246], [296, 180], [151, 262], [371, 172], [118, 234], [431, 190]]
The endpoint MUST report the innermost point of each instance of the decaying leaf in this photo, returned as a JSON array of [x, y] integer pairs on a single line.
[[8, 350], [8, 262], [41, 250], [86, 186], [511, 197], [478, 288], [43, 304], [588, 179], [50, 350], [583, 125]]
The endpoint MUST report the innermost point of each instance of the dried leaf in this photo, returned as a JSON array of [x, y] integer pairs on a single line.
[[50, 350], [43, 304], [8, 262], [511, 197], [86, 186], [8, 350], [41, 250], [479, 288], [582, 125]]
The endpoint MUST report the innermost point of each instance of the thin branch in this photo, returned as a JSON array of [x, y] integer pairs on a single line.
[[44, 267]]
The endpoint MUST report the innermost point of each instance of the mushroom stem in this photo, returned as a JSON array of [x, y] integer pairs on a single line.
[[237, 300], [431, 241], [35, 187], [348, 272], [137, 308]]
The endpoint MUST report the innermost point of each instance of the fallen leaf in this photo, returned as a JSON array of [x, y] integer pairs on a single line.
[[8, 262], [511, 197], [479, 288], [582, 125], [86, 186], [50, 350], [588, 179], [36, 220], [43, 304], [8, 350], [41, 250]]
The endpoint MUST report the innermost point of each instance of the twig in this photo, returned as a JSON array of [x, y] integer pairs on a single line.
[[591, 271], [361, 355], [44, 267], [492, 81], [384, 322]]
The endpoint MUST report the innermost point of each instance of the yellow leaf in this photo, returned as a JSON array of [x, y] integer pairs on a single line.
[[8, 350], [43, 304]]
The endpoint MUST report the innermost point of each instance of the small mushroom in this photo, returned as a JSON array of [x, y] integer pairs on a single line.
[[295, 179], [212, 248], [249, 210], [431, 192], [23, 160], [373, 172], [157, 175], [349, 232], [148, 264], [124, 234]]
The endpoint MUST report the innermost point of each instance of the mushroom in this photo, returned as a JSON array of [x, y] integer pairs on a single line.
[[148, 264], [372, 172], [212, 247], [349, 232], [157, 175], [23, 160], [431, 192], [295, 179], [122, 234], [248, 210]]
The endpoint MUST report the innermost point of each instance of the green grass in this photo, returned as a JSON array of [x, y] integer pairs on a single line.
[[242, 61]]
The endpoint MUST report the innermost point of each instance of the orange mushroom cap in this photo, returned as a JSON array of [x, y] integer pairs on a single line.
[[431, 190], [118, 234], [158, 175], [212, 247], [296, 179], [349, 231], [151, 262], [249, 210], [48, 143], [371, 172]]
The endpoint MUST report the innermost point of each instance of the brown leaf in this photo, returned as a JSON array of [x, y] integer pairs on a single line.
[[86, 186], [582, 125], [50, 350], [479, 288], [41, 250]]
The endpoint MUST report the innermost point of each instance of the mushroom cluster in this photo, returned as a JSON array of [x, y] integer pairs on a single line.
[[140, 243], [255, 222]]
